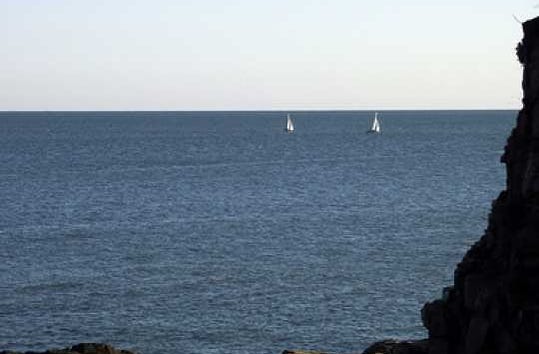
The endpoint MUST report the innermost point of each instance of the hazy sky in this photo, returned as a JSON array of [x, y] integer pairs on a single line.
[[249, 54]]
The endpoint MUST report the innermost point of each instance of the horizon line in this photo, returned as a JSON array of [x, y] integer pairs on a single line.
[[257, 110]]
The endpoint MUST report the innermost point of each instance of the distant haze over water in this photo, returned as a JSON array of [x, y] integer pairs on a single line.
[[279, 54]]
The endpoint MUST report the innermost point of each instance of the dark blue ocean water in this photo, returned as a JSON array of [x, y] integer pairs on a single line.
[[216, 232]]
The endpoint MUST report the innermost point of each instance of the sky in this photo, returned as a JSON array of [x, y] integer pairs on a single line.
[[260, 55]]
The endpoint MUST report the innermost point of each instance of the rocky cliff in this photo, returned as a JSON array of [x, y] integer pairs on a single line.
[[493, 306]]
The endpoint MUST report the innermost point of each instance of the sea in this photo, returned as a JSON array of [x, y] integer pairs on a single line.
[[218, 232]]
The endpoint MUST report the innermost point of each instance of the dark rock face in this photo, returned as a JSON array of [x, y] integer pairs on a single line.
[[493, 306], [82, 348]]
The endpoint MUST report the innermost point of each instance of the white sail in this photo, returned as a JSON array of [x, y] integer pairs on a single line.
[[289, 124], [375, 124]]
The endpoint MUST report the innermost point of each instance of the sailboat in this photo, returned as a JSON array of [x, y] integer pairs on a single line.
[[289, 124], [375, 128]]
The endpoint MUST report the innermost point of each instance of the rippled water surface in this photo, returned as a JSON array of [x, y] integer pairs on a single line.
[[216, 232]]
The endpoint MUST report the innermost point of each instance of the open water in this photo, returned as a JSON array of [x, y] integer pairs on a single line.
[[217, 232]]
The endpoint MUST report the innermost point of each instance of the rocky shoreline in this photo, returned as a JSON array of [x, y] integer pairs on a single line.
[[81, 348]]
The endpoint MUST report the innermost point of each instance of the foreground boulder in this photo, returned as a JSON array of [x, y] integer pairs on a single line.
[[82, 348], [302, 352], [398, 347]]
